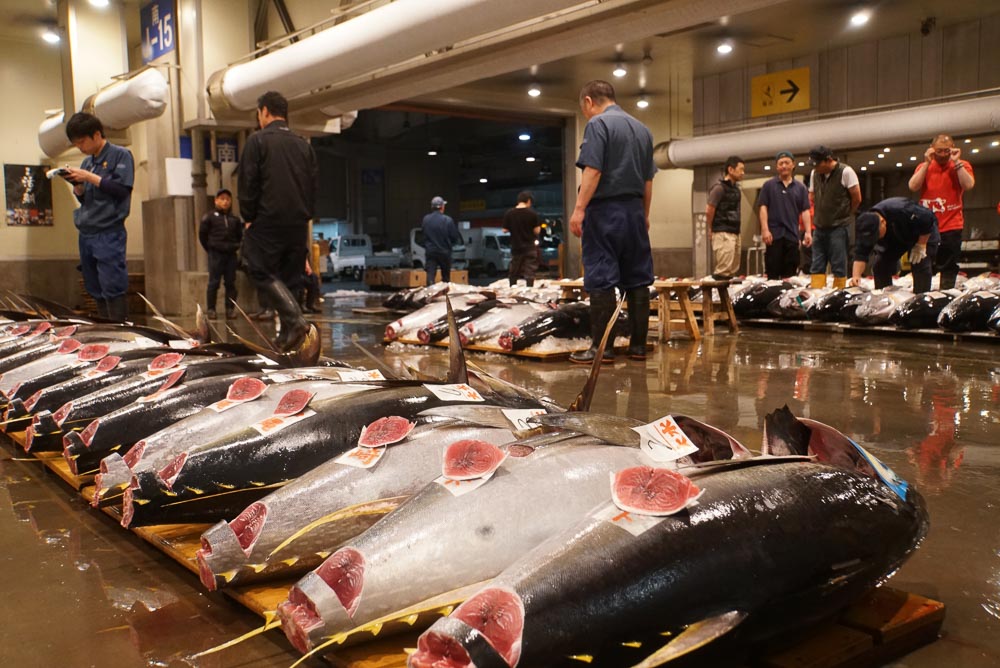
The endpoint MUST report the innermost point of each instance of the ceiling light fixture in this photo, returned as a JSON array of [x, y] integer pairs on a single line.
[[886, 149], [767, 168], [619, 71], [899, 164], [994, 144], [534, 91], [864, 168], [975, 150], [530, 158], [724, 48], [913, 158], [432, 153], [968, 141], [99, 3], [860, 18], [51, 36], [881, 155], [642, 103], [871, 162], [484, 180], [524, 136]]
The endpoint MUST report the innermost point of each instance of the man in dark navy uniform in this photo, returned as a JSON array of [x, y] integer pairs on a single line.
[[103, 185], [440, 234], [611, 217], [890, 228]]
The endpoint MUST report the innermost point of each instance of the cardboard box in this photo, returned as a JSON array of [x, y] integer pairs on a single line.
[[406, 278], [375, 277]]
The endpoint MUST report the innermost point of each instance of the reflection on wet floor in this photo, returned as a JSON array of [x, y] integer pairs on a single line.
[[82, 592]]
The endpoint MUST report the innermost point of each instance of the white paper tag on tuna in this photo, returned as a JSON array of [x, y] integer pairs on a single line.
[[460, 487], [352, 376], [664, 441], [455, 392], [634, 523], [182, 344], [267, 360], [156, 396], [519, 417], [143, 342], [226, 404], [282, 377], [276, 423], [361, 457]]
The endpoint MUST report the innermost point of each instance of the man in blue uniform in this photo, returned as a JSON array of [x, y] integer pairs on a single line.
[[103, 185], [891, 228], [278, 177], [611, 217], [440, 234], [783, 200]]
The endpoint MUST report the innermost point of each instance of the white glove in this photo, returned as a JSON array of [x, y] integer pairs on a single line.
[[918, 253]]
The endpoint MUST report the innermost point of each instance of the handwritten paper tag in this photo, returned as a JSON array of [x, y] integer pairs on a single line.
[[664, 440]]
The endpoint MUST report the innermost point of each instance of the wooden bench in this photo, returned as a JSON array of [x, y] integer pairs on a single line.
[[710, 312]]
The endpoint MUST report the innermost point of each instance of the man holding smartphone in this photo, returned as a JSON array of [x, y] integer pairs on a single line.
[[941, 179], [103, 185]]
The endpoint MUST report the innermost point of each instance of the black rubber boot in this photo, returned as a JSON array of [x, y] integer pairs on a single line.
[[638, 320], [210, 296], [293, 326], [602, 306], [102, 308], [118, 308]]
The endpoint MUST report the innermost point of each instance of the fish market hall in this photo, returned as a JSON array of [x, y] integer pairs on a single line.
[[347, 462]]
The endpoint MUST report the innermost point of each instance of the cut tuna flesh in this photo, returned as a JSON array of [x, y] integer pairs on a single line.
[[69, 346], [93, 352], [652, 491], [108, 363], [246, 389], [385, 431], [344, 573], [498, 614], [469, 459], [247, 526], [165, 361], [293, 402]]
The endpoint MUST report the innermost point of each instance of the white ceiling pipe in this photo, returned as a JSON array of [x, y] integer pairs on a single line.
[[384, 36], [973, 116], [120, 105]]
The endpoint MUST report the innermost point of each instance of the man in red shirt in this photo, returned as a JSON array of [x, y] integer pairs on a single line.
[[941, 179]]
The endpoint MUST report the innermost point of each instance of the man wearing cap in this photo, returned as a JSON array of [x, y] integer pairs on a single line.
[[782, 201], [941, 179], [440, 234], [722, 217], [611, 217], [890, 228], [835, 190], [220, 234]]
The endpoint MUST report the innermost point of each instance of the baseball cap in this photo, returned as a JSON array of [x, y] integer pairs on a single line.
[[224, 191], [820, 153], [866, 233], [784, 154], [437, 202]]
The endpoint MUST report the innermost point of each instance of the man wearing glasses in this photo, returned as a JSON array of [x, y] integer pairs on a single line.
[[941, 179]]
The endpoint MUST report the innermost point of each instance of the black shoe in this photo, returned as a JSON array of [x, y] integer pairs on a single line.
[[265, 315], [230, 313], [637, 353], [587, 356], [212, 314]]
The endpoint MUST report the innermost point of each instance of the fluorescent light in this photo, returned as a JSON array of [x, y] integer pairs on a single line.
[[871, 162], [899, 164], [51, 36], [913, 158], [530, 158], [881, 155], [534, 91], [860, 18], [975, 150], [724, 48], [524, 136], [642, 103], [619, 71], [968, 141], [886, 149], [432, 152], [864, 168], [767, 168], [484, 180], [802, 164], [994, 144], [99, 3]]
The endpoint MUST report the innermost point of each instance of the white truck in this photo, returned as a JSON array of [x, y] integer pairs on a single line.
[[351, 254], [487, 249], [417, 255]]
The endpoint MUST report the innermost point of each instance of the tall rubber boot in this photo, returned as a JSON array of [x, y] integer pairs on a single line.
[[602, 305], [210, 296], [839, 282], [293, 326], [102, 308], [118, 308], [638, 319], [817, 281], [947, 281]]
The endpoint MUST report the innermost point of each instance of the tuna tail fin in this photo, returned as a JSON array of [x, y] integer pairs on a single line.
[[504, 388], [583, 400], [379, 364], [254, 327], [202, 329], [457, 371], [784, 434], [694, 637]]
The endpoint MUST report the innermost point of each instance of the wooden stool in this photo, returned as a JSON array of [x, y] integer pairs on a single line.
[[668, 308], [725, 312]]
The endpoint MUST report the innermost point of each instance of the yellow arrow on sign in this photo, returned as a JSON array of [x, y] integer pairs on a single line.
[[779, 92]]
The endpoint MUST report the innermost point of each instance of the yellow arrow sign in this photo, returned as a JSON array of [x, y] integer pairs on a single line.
[[779, 92]]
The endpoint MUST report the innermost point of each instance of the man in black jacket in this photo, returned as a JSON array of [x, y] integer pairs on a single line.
[[220, 234], [892, 227], [278, 178]]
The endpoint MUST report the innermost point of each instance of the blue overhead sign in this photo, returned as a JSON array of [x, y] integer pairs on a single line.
[[158, 23]]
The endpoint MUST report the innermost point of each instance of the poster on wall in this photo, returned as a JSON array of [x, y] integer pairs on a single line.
[[29, 195]]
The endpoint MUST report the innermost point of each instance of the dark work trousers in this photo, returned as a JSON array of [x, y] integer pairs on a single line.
[[102, 261], [221, 269], [781, 258], [278, 252], [524, 265], [437, 260], [947, 257], [615, 244], [805, 256], [885, 262]]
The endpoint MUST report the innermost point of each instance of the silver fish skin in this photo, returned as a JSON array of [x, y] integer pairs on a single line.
[[362, 495], [878, 306], [477, 534], [785, 543], [498, 320], [409, 324]]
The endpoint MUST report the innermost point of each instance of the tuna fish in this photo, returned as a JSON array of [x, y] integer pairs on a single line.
[[752, 301], [438, 329], [993, 322], [794, 304], [569, 321], [834, 307], [484, 328], [921, 311], [427, 314], [294, 528], [637, 564], [969, 312], [877, 307]]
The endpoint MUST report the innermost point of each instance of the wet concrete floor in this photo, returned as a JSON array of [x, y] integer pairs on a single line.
[[80, 591]]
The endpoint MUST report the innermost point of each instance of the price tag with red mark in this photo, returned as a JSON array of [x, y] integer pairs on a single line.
[[372, 374], [276, 423], [664, 440], [634, 523], [460, 487], [519, 417], [362, 457], [454, 392]]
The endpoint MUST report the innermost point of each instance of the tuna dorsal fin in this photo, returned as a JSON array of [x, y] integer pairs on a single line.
[[457, 372], [504, 388], [612, 429], [582, 401], [202, 328], [695, 636], [255, 328], [784, 434]]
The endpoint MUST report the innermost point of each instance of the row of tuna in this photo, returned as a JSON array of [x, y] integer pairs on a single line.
[[550, 530], [976, 307]]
